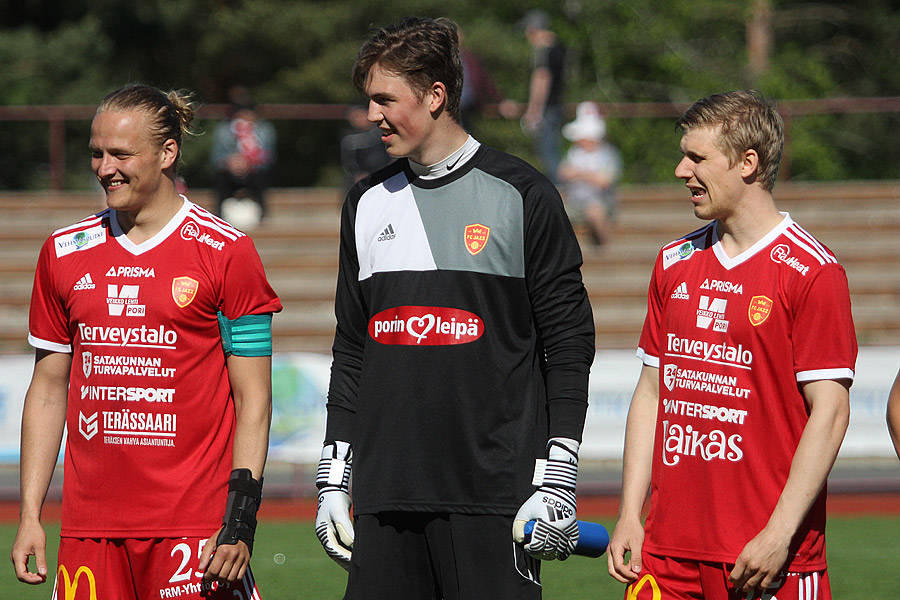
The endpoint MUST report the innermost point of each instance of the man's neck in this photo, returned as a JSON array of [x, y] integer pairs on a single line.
[[141, 225], [450, 164], [446, 138], [748, 224]]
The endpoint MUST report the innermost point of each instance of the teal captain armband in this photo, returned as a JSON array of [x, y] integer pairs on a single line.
[[250, 335]]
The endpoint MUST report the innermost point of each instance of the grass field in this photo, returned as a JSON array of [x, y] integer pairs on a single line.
[[863, 553]]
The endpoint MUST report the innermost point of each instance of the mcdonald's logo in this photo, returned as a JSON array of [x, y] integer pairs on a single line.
[[70, 586], [635, 589]]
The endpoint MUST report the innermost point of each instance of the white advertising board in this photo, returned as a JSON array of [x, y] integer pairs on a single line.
[[300, 384]]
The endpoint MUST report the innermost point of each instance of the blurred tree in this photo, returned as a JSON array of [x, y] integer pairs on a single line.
[[300, 51]]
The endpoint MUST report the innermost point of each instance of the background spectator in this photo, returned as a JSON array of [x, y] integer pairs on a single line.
[[243, 151], [590, 171], [362, 151], [479, 88], [544, 114]]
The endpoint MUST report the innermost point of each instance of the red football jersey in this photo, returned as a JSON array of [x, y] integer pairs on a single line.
[[733, 338], [150, 416]]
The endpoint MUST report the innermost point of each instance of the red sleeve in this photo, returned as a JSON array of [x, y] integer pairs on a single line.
[[648, 347], [48, 321], [823, 332], [245, 289]]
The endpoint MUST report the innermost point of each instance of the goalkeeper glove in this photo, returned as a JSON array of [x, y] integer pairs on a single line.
[[333, 526], [552, 506]]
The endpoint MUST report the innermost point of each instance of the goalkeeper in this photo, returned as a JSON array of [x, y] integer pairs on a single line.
[[463, 344]]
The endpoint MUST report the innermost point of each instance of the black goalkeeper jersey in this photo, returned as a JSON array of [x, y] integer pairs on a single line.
[[464, 336]]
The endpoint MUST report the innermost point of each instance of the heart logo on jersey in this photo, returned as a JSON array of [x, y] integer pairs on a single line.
[[184, 289], [476, 237], [420, 326]]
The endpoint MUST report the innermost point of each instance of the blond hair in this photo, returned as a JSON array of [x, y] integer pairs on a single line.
[[746, 120], [171, 113]]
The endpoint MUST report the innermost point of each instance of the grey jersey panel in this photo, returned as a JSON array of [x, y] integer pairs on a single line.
[[475, 199]]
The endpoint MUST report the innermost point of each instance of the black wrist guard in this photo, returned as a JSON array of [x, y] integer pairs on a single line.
[[244, 496]]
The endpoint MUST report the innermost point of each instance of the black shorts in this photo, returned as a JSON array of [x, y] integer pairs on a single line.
[[439, 556]]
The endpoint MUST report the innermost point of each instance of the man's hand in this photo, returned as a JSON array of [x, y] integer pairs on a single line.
[[552, 506], [333, 525], [760, 562], [224, 563], [30, 541], [627, 537]]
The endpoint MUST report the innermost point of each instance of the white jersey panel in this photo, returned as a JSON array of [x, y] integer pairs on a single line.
[[390, 235]]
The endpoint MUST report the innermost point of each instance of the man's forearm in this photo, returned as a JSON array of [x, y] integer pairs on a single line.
[[639, 437], [539, 90], [43, 422], [39, 452], [815, 454], [251, 443], [251, 383]]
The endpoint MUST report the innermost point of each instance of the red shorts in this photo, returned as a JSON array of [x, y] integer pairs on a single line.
[[128, 569], [664, 578]]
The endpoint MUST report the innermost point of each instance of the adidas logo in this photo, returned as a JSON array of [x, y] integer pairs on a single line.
[[85, 283], [387, 234], [557, 512], [681, 292]]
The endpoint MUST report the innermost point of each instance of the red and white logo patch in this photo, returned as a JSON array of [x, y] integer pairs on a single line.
[[184, 289], [760, 309], [189, 231], [86, 363], [476, 237], [425, 326]]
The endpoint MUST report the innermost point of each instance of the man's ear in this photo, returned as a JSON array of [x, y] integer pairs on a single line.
[[438, 98], [750, 164], [169, 153]]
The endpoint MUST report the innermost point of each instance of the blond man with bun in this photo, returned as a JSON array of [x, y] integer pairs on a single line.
[[151, 323]]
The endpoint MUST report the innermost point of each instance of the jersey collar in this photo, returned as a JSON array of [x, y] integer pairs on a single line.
[[157, 239], [730, 262]]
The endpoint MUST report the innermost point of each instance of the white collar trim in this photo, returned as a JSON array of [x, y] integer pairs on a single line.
[[729, 262], [156, 240]]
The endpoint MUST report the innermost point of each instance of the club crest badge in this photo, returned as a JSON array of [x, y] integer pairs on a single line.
[[184, 289], [476, 237], [760, 308]]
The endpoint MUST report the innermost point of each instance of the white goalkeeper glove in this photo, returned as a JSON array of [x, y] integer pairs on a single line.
[[333, 526], [552, 506]]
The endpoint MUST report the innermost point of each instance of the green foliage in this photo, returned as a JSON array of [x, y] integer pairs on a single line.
[[66, 66], [301, 51]]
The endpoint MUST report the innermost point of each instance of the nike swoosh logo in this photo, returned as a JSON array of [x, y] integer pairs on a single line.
[[453, 164]]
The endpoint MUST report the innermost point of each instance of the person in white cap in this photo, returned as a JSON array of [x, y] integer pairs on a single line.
[[590, 171]]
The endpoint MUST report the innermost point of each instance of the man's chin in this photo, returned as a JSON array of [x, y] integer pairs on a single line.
[[702, 214], [394, 152]]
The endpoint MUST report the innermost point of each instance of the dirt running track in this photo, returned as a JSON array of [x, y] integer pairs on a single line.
[[278, 509]]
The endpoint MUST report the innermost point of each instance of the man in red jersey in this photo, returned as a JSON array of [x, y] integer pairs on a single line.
[[743, 401], [151, 322]]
